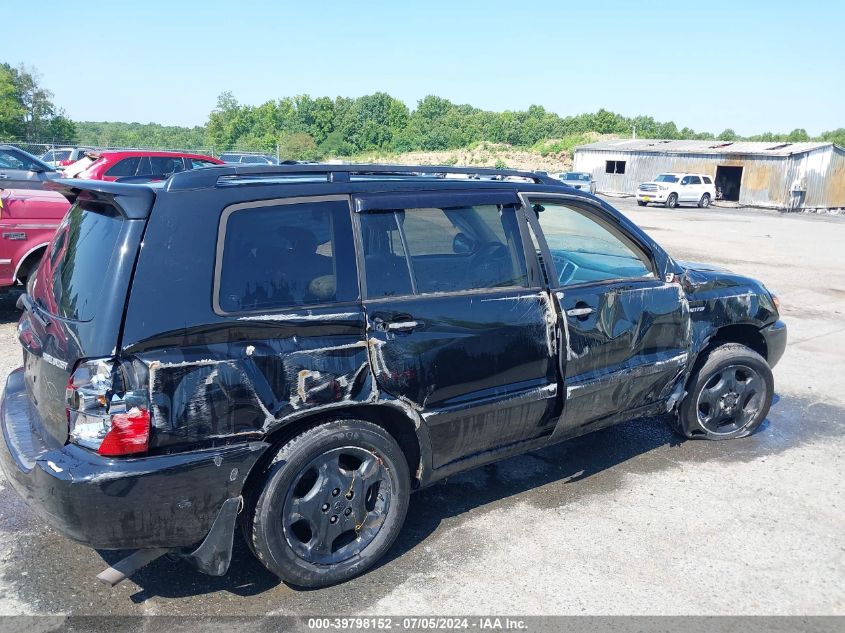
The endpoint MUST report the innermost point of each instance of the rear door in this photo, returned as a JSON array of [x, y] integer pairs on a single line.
[[458, 321], [627, 331], [75, 302]]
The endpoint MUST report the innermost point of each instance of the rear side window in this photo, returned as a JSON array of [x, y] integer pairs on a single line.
[[125, 167], [442, 250], [70, 278], [285, 255], [707, 180]]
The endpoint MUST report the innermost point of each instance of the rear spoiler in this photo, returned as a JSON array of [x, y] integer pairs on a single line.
[[135, 201]]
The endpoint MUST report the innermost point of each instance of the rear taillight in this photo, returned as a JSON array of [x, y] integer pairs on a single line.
[[103, 413]]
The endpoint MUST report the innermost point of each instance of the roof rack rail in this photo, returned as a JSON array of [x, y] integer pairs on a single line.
[[209, 177]]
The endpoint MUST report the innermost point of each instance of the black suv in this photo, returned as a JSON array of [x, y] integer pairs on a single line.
[[297, 348]]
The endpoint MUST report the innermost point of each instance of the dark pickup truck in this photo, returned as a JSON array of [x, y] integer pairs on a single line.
[[297, 348]]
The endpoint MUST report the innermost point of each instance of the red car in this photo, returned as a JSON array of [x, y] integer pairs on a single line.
[[112, 165], [28, 220]]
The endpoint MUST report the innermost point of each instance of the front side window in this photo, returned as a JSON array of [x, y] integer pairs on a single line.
[[442, 250], [166, 165], [584, 249], [286, 255]]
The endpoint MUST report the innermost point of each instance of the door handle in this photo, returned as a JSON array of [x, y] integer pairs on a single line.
[[579, 312], [402, 326], [396, 325]]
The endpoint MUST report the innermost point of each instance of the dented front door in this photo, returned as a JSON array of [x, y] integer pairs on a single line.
[[626, 330], [627, 344]]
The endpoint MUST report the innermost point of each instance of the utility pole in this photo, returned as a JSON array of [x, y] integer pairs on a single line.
[[634, 132]]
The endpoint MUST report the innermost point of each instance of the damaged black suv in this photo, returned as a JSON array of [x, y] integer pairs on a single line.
[[297, 348]]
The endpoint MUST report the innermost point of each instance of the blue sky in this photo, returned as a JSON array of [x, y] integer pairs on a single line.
[[753, 66]]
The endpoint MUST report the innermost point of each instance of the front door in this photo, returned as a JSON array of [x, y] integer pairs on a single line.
[[458, 321], [627, 330], [17, 171], [691, 189]]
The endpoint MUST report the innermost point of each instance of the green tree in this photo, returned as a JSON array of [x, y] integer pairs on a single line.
[[834, 136], [298, 146], [373, 121], [798, 135], [727, 135], [12, 111], [26, 107]]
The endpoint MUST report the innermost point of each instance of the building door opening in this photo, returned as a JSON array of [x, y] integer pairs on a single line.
[[727, 182]]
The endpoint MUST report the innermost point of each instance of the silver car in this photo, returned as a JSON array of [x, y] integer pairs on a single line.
[[578, 180]]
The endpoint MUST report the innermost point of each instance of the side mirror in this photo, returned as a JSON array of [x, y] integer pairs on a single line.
[[462, 244]]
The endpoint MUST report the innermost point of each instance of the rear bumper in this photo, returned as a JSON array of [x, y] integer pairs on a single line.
[[166, 501], [775, 336]]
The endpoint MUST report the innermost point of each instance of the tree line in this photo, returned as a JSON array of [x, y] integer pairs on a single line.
[[311, 128], [27, 110]]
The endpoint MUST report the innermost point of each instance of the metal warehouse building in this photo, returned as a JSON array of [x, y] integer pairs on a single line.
[[779, 175]]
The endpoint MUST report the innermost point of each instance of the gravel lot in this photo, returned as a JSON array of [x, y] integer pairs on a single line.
[[628, 520]]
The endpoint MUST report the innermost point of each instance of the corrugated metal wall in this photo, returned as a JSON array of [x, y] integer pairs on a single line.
[[767, 181]]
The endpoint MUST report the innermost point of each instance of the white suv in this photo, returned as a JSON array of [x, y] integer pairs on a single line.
[[672, 189]]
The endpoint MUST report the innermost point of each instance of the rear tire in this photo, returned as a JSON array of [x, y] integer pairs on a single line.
[[333, 502], [671, 201], [728, 396], [641, 203], [705, 201]]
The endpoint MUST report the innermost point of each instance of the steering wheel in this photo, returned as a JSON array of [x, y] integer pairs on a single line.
[[488, 251], [488, 255], [567, 272]]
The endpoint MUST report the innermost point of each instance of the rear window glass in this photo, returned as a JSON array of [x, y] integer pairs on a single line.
[[287, 255], [71, 274]]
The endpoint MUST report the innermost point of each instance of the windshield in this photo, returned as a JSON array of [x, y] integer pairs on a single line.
[[666, 178], [575, 175]]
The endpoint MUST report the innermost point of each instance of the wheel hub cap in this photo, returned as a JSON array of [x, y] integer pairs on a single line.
[[336, 505], [730, 399]]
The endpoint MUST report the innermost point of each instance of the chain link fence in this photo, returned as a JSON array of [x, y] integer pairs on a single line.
[[47, 150], [40, 149]]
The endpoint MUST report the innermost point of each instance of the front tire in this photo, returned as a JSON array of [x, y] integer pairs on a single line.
[[641, 203], [333, 502], [728, 396], [671, 201], [705, 201]]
